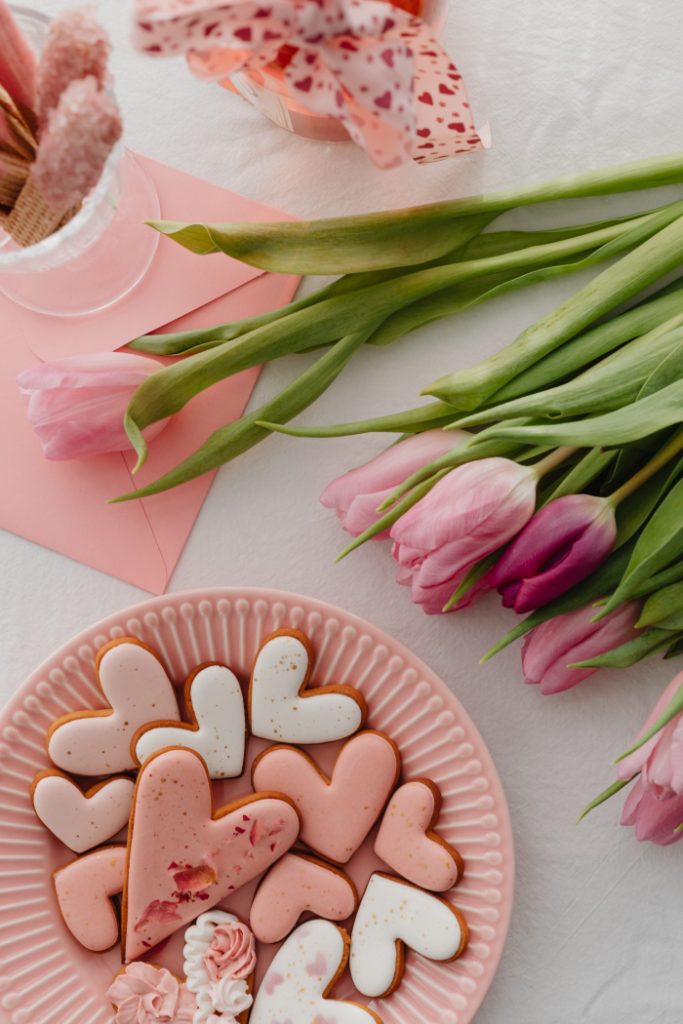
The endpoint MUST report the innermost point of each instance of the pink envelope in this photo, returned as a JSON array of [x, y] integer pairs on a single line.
[[63, 505]]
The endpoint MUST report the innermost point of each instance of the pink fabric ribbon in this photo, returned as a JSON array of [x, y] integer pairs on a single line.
[[375, 67]]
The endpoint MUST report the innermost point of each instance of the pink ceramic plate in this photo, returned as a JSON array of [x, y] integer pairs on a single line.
[[47, 978]]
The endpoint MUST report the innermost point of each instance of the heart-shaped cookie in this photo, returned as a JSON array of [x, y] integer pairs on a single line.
[[82, 820], [337, 813], [284, 709], [214, 701], [394, 914], [408, 843], [138, 690], [302, 975], [184, 857], [84, 890], [296, 885]]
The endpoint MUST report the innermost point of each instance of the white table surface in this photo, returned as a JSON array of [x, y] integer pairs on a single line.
[[567, 84]]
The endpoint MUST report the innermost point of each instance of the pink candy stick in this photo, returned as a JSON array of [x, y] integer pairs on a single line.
[[17, 61]]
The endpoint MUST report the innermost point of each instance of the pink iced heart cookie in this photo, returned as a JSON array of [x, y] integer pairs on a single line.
[[296, 885], [82, 820], [408, 843], [337, 813], [214, 701], [84, 893], [282, 706], [302, 975], [394, 914], [184, 857], [138, 690]]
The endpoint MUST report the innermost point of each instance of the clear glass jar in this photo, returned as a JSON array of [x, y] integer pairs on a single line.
[[99, 256], [269, 92]]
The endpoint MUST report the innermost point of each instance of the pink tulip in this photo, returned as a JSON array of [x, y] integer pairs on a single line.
[[76, 406], [655, 820], [552, 647], [563, 544], [655, 804], [356, 495], [467, 515]]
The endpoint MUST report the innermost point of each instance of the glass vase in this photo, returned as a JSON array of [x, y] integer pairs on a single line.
[[100, 255]]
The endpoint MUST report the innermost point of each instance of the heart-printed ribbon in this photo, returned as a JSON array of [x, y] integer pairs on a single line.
[[376, 68]]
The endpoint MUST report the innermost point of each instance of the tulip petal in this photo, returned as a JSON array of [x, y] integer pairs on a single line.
[[636, 761], [357, 494], [553, 646], [655, 820], [561, 545]]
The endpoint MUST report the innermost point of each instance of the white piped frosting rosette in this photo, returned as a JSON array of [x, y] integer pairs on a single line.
[[219, 957]]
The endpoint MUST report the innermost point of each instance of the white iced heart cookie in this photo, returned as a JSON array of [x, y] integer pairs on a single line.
[[302, 975], [283, 708], [220, 957], [215, 703], [135, 683], [394, 914], [82, 820]]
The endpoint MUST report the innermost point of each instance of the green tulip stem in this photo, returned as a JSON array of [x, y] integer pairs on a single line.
[[660, 460], [551, 461]]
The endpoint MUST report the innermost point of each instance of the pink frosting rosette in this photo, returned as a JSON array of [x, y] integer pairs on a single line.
[[232, 953], [144, 994]]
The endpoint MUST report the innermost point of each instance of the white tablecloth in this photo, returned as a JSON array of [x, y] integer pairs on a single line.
[[567, 84]]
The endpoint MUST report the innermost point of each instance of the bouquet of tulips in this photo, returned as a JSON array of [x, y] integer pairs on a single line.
[[551, 472]]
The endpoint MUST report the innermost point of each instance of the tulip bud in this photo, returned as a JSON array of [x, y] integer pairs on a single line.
[[552, 647], [76, 406], [563, 544], [654, 805], [465, 517], [357, 494]]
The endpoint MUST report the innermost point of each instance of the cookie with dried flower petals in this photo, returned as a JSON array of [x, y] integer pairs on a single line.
[[184, 855]]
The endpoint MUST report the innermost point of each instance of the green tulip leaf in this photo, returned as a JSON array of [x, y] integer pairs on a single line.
[[620, 427], [636, 509], [675, 650], [657, 248], [472, 577], [606, 794], [674, 708], [385, 239], [659, 544], [234, 438], [595, 343], [659, 606], [633, 651], [411, 421]]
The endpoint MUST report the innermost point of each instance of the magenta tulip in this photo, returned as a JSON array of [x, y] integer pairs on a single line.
[[356, 495], [552, 647], [655, 804], [76, 406], [563, 544], [466, 516]]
